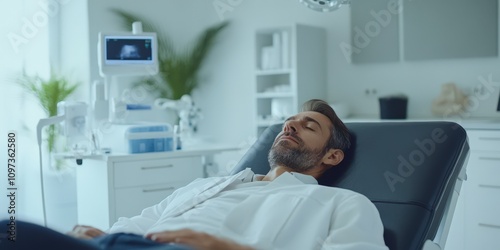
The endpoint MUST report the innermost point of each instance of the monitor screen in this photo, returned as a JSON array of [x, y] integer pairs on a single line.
[[128, 50], [127, 54]]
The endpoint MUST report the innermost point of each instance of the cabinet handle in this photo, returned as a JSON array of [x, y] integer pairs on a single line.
[[157, 189], [156, 167], [489, 158], [489, 225], [489, 186], [490, 138]]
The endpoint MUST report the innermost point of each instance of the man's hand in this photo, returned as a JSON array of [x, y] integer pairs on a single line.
[[197, 240], [85, 232]]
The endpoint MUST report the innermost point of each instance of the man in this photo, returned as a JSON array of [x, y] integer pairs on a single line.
[[285, 209]]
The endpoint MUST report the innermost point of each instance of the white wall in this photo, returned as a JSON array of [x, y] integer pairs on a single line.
[[24, 32], [226, 95], [74, 45]]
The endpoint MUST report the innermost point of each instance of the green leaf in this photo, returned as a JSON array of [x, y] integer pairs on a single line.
[[178, 70], [48, 93]]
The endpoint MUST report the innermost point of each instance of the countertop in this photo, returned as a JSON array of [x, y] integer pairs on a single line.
[[469, 123]]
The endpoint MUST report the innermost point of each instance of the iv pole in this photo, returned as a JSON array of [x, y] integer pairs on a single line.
[[72, 116], [42, 123]]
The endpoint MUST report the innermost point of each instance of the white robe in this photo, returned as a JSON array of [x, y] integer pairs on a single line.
[[286, 214]]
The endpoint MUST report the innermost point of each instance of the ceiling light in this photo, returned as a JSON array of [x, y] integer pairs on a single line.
[[324, 5]]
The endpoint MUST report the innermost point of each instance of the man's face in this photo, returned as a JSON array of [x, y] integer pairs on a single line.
[[301, 144]]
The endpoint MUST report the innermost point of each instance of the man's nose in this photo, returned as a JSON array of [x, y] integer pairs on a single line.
[[290, 126]]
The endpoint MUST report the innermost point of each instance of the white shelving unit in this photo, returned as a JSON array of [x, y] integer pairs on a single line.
[[290, 69]]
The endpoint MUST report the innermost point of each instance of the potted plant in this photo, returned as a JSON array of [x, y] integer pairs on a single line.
[[48, 92], [178, 69]]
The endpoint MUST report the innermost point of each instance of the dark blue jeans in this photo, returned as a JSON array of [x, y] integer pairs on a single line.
[[32, 236]]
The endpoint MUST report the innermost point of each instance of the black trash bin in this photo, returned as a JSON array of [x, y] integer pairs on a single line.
[[393, 107]]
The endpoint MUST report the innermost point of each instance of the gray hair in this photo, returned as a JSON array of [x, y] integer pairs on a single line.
[[340, 137]]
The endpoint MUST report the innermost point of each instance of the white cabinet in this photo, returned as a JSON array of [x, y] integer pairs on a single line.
[[290, 69], [482, 205], [476, 222], [123, 185]]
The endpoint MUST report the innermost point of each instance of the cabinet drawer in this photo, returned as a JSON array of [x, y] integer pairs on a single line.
[[484, 169], [137, 173], [131, 201], [482, 222], [483, 207], [482, 237], [484, 140]]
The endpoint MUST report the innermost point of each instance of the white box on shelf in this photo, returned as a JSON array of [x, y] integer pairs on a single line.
[[277, 50], [281, 108], [267, 58], [285, 50]]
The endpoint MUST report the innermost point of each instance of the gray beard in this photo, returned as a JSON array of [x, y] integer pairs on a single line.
[[298, 159]]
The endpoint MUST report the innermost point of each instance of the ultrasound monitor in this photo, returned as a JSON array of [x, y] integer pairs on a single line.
[[128, 54]]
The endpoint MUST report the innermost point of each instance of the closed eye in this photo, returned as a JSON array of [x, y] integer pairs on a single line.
[[310, 128]]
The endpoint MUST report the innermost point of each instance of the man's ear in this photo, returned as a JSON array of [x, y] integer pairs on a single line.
[[333, 157]]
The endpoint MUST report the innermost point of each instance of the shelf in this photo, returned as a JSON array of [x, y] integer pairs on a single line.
[[268, 122], [294, 58], [268, 72], [274, 95]]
